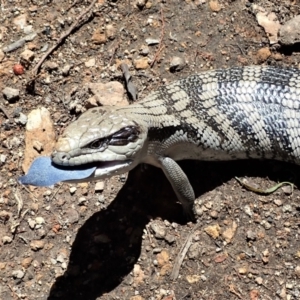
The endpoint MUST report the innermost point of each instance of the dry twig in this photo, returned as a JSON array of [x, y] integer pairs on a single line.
[[182, 253], [160, 45]]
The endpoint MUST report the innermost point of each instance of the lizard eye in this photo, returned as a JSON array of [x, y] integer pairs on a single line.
[[97, 144]]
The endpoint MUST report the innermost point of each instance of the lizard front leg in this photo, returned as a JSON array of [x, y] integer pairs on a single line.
[[180, 184]]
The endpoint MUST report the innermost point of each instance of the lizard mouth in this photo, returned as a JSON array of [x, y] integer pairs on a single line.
[[43, 172]]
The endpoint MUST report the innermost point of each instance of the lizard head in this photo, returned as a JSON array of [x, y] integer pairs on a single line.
[[109, 138]]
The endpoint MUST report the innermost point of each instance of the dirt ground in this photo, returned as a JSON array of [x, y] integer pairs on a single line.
[[122, 242]]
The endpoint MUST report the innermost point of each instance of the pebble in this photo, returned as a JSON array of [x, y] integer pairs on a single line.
[[289, 33], [20, 21], [141, 63], [140, 3], [287, 208], [99, 37], [213, 231], [259, 280], [251, 235], [19, 274], [144, 50], [111, 93], [37, 245], [278, 202], [269, 22], [72, 215], [177, 64], [26, 57], [110, 31], [72, 189], [11, 94], [263, 54], [90, 63], [22, 119], [40, 220], [151, 42], [50, 66], [215, 6], [31, 223], [3, 158], [99, 186], [66, 70], [6, 239], [26, 262], [158, 230]]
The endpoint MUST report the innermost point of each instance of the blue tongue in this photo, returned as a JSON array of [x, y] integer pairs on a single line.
[[43, 172]]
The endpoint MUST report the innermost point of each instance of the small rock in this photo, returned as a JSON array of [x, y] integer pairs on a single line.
[[215, 6], [151, 42], [251, 235], [278, 202], [99, 186], [243, 270], [20, 21], [263, 54], [37, 245], [193, 278], [3, 158], [213, 231], [11, 94], [18, 274], [158, 230], [140, 3], [26, 262], [144, 50], [289, 33], [6, 239], [163, 258], [248, 210], [50, 66], [22, 119], [73, 189], [27, 57], [169, 238], [141, 63], [28, 29], [269, 21], [288, 189], [110, 31], [72, 216], [40, 220], [31, 223], [177, 64], [266, 224], [259, 280], [214, 214], [229, 232], [99, 37], [111, 93], [287, 208], [66, 70], [90, 63]]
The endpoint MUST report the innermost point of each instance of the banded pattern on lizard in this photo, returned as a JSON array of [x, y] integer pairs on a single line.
[[236, 113]]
